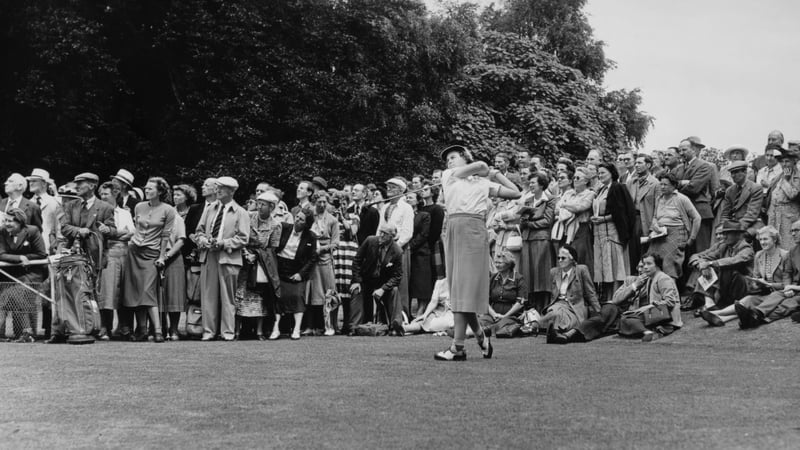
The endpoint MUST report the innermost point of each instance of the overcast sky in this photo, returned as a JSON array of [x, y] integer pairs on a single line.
[[727, 71]]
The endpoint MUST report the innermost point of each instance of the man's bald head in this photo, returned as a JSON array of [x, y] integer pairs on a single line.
[[775, 137]]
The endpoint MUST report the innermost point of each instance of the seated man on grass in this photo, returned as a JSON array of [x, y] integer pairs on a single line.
[[728, 264]]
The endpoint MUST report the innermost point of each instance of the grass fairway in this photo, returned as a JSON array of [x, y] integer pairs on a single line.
[[700, 388]]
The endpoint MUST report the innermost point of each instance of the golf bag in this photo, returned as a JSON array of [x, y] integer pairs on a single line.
[[76, 312]]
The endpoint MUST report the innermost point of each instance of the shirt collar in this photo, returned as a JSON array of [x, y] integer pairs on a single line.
[[90, 201]]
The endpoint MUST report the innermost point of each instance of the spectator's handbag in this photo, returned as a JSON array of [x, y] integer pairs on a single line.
[[530, 322], [514, 241], [656, 314]]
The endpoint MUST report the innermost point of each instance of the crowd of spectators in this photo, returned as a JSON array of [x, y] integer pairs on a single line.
[[579, 251]]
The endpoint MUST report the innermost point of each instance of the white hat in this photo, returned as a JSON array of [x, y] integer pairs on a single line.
[[397, 182], [124, 176], [40, 174], [268, 197], [228, 181]]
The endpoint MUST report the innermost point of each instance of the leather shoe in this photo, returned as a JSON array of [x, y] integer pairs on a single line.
[[487, 348], [398, 329], [745, 316], [56, 340], [451, 355], [159, 338], [712, 319], [551, 334]]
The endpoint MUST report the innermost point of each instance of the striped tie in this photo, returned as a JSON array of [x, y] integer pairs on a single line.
[[217, 223]]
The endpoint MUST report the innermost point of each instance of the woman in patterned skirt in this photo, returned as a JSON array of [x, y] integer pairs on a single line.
[[258, 282], [613, 216], [467, 186]]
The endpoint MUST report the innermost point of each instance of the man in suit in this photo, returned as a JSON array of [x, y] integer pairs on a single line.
[[625, 162], [123, 181], [644, 189], [672, 162], [86, 215], [698, 184], [305, 189], [368, 216], [502, 162], [731, 262], [223, 231], [15, 185], [377, 271], [743, 199]]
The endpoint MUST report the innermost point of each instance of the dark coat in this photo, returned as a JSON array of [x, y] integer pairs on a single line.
[[700, 189], [192, 220], [304, 259], [369, 218], [390, 268], [33, 215], [747, 208], [437, 222], [29, 244], [419, 240]]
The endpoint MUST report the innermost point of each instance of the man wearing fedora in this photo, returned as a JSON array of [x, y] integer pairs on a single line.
[[15, 185], [223, 231], [731, 262], [743, 200], [38, 183], [124, 182], [700, 182]]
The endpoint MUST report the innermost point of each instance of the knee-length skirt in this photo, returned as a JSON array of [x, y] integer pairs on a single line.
[[139, 280], [420, 284], [610, 257], [467, 261], [249, 301], [322, 278], [175, 285], [292, 299], [111, 278], [536, 261]]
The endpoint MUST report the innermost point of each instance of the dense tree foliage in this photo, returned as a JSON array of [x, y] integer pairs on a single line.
[[286, 89]]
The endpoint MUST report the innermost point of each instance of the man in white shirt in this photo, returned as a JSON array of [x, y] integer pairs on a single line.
[[15, 185], [51, 210], [400, 214]]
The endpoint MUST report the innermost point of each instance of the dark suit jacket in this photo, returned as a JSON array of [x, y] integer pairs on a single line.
[[101, 212], [700, 188], [29, 244], [369, 218], [677, 171], [192, 220], [747, 207], [419, 240], [32, 212], [367, 260], [580, 290], [304, 259]]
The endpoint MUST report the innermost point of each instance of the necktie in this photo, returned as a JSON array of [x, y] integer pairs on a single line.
[[84, 204], [389, 210], [217, 224], [39, 201]]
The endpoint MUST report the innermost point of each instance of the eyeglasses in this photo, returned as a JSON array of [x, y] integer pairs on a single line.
[[562, 258], [794, 230]]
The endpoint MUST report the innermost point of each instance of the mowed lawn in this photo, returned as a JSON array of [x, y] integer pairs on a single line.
[[700, 388]]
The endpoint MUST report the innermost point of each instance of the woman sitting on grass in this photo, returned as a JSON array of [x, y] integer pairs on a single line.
[[437, 316], [508, 294]]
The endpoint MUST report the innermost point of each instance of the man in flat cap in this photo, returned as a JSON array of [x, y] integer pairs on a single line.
[[700, 182], [86, 215], [83, 216], [15, 185], [400, 214], [743, 200], [221, 234]]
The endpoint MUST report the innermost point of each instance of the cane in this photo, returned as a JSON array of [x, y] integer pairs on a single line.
[[160, 299]]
